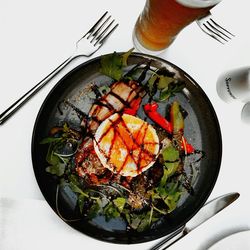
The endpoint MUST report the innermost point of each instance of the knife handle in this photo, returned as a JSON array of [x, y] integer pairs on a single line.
[[170, 240]]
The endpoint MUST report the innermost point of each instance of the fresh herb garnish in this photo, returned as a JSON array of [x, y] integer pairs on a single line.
[[165, 83], [112, 64]]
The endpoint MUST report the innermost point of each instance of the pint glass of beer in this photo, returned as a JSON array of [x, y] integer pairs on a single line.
[[161, 20]]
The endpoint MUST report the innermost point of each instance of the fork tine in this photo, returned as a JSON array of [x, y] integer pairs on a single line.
[[103, 32], [205, 29], [100, 28], [217, 30], [216, 24], [213, 29], [96, 24], [106, 36], [215, 34]]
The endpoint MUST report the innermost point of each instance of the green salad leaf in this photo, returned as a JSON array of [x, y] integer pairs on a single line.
[[111, 211], [170, 154], [165, 83], [172, 88], [57, 169], [173, 191], [119, 203], [112, 64], [95, 209]]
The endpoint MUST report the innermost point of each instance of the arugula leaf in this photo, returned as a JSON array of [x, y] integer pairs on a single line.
[[169, 190], [164, 81], [119, 203], [171, 157], [135, 221], [127, 214], [50, 140], [171, 167], [145, 222], [112, 65], [57, 169], [51, 158], [170, 154], [94, 210], [166, 84], [141, 222], [76, 189], [111, 211], [172, 88], [125, 57], [81, 199], [152, 87], [174, 192]]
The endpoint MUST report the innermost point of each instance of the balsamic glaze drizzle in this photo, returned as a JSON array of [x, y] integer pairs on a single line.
[[135, 89], [79, 112], [143, 153]]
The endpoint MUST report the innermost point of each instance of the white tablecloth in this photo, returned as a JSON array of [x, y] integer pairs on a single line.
[[36, 36]]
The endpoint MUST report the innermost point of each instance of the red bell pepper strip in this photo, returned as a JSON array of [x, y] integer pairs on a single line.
[[187, 147], [176, 125], [151, 111], [134, 106]]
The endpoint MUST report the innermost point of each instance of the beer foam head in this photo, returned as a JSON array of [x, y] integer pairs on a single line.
[[198, 3]]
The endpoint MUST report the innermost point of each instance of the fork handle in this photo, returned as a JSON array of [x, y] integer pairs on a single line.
[[5, 115]]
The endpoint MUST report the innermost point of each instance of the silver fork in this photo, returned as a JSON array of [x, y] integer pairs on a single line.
[[86, 46], [213, 29]]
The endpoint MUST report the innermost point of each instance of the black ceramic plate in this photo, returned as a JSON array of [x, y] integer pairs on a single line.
[[201, 126]]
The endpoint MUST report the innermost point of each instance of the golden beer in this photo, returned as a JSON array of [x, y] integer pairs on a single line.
[[161, 20]]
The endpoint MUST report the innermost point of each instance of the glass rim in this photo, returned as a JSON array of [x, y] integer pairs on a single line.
[[198, 3]]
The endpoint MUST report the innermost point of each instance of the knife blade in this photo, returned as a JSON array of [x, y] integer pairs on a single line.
[[210, 209]]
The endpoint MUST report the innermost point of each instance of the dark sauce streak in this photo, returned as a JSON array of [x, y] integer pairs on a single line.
[[124, 162], [130, 93], [142, 148], [127, 147], [134, 141], [172, 161], [112, 144], [104, 104], [79, 112], [113, 125], [144, 72], [94, 118], [202, 155], [132, 71], [139, 131], [124, 102], [107, 156], [187, 183], [96, 91]]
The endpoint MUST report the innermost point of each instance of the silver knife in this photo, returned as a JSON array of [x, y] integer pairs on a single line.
[[210, 209]]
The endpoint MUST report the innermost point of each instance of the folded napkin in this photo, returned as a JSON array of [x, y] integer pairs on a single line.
[[32, 224]]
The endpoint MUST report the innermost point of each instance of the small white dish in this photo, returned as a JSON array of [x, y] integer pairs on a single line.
[[236, 241]]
